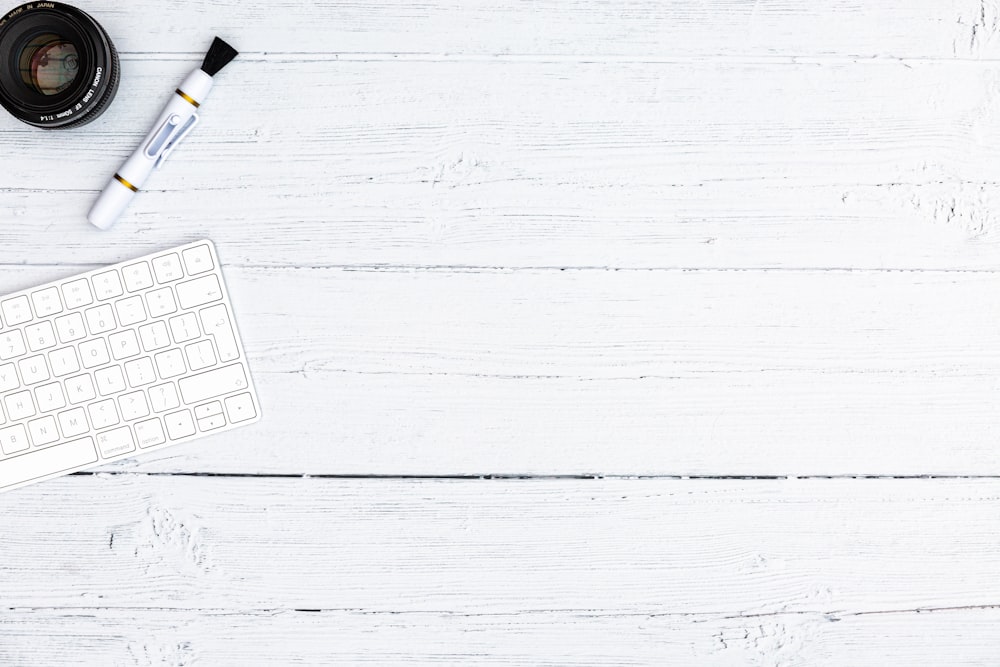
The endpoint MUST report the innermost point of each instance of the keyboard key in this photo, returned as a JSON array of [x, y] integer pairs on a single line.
[[170, 364], [211, 423], [70, 327], [199, 291], [63, 361], [179, 424], [77, 293], [33, 369], [107, 285], [19, 405], [198, 260], [161, 302], [100, 319], [73, 422], [46, 302], [184, 328], [80, 389], [133, 405], [140, 372], [164, 397], [16, 311], [8, 378], [110, 380], [200, 355], [124, 344], [137, 277], [11, 345], [47, 462], [115, 442], [13, 439], [240, 408], [168, 268], [103, 413], [217, 324], [130, 311], [154, 336], [94, 353], [40, 336], [43, 431], [149, 433], [50, 397], [201, 387], [208, 410]]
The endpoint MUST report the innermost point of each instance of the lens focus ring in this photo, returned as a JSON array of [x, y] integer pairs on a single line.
[[58, 67]]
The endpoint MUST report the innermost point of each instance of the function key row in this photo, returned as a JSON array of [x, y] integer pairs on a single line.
[[109, 284]]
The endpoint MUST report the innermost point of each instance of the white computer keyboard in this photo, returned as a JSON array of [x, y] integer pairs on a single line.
[[128, 358]]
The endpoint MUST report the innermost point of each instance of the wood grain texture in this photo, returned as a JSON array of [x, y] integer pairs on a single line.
[[207, 571]]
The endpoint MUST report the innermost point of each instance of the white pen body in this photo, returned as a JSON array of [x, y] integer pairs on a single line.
[[174, 121]]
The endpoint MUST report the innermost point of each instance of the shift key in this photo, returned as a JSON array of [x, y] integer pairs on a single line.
[[197, 388]]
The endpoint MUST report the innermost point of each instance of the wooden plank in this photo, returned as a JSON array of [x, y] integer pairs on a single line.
[[685, 165], [601, 547], [627, 372], [636, 29], [240, 638]]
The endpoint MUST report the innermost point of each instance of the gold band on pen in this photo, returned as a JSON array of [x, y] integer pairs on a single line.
[[126, 183], [187, 98]]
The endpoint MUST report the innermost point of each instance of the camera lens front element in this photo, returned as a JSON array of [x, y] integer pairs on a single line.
[[58, 67]]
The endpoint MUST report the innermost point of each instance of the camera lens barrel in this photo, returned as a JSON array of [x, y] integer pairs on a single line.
[[58, 67]]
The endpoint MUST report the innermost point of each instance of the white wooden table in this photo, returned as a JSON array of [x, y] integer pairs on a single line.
[[587, 333]]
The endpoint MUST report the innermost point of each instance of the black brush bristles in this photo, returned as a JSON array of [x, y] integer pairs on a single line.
[[219, 55]]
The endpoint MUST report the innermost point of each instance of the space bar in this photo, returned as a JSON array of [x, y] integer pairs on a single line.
[[47, 462]]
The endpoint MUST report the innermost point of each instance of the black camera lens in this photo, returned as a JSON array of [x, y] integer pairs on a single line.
[[58, 67]]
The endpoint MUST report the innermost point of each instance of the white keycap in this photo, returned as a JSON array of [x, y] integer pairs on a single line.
[[201, 387], [154, 336], [168, 268], [110, 380], [198, 260], [46, 302], [130, 311], [43, 431], [11, 344], [179, 424], [124, 344], [19, 406], [161, 302], [149, 433], [208, 410], [94, 353], [240, 408], [13, 439], [80, 388], [211, 423], [140, 372], [40, 336], [100, 319], [33, 369], [77, 293], [16, 310], [137, 277], [199, 291], [170, 364], [115, 442], [103, 413], [8, 378], [70, 327], [73, 422], [217, 324], [50, 397], [64, 361], [133, 405], [200, 355], [107, 285], [184, 328], [163, 397]]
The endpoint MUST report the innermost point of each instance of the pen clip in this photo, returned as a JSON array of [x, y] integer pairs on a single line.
[[176, 139]]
